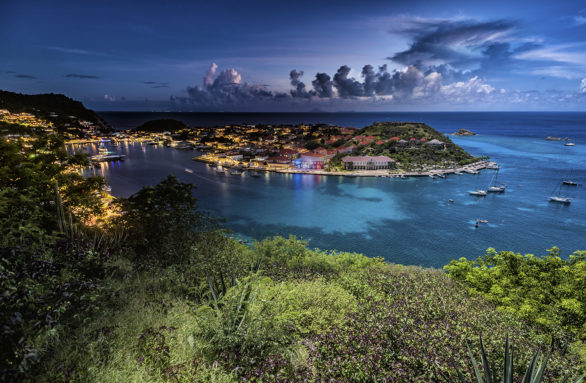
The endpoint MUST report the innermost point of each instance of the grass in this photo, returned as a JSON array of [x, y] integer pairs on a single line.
[[316, 316]]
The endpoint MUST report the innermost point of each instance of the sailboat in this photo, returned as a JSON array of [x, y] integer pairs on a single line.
[[493, 187], [478, 193], [559, 198]]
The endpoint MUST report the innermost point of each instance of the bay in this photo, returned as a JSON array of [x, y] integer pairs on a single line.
[[408, 221]]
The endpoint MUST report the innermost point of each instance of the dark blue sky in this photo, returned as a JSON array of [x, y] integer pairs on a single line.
[[249, 55]]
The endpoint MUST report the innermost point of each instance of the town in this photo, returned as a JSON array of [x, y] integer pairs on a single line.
[[387, 149]]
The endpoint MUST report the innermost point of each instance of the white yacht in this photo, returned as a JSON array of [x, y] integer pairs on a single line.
[[564, 200], [478, 193]]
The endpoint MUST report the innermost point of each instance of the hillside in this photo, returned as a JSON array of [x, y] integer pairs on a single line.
[[413, 145], [56, 108], [150, 288]]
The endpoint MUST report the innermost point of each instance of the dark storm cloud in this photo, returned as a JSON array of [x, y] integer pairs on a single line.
[[299, 90], [462, 44], [225, 90], [77, 75], [323, 85], [26, 76], [347, 87], [369, 80]]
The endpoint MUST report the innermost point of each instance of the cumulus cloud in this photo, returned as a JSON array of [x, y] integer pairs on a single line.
[[225, 89], [583, 86], [77, 75], [299, 90], [323, 85], [347, 87]]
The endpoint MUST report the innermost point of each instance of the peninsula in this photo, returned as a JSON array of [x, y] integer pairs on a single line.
[[382, 149]]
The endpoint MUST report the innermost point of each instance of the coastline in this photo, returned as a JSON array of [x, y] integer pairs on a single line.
[[473, 168]]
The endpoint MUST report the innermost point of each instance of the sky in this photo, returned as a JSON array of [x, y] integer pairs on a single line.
[[278, 56]]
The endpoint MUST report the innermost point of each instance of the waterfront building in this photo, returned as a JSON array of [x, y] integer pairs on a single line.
[[368, 162], [307, 161]]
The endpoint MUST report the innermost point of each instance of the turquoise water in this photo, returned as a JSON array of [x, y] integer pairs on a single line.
[[407, 221]]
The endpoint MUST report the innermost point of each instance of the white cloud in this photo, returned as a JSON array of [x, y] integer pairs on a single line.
[[109, 98], [583, 86]]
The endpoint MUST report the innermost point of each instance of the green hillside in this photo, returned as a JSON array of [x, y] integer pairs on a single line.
[[47, 106]]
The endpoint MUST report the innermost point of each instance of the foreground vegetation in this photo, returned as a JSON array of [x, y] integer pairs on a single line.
[[161, 293]]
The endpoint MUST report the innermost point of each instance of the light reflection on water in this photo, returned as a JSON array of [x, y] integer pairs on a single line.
[[407, 221]]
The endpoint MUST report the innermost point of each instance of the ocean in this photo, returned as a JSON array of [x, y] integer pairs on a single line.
[[407, 221]]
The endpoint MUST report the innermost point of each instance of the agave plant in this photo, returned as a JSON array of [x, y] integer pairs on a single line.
[[533, 374]]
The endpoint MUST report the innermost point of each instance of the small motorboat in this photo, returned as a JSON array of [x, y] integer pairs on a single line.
[[478, 193], [570, 183], [569, 144], [187, 170]]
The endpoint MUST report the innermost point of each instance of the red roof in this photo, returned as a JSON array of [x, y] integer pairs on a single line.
[[279, 159], [423, 140], [412, 139], [394, 139], [380, 142]]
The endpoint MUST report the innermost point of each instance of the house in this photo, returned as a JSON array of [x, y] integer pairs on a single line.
[[307, 161], [289, 153], [347, 149], [328, 153], [435, 142], [279, 160], [368, 162]]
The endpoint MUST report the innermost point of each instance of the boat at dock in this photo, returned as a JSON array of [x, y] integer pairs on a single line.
[[107, 157], [220, 171], [235, 172], [253, 174]]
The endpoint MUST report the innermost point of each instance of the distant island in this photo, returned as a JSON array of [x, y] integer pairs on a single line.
[[161, 125], [463, 132]]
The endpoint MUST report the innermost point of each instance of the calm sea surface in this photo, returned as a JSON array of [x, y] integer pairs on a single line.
[[405, 221]]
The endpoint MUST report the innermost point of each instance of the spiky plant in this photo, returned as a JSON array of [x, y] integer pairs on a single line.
[[534, 373]]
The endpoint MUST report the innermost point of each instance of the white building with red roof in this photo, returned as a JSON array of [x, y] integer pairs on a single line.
[[368, 162]]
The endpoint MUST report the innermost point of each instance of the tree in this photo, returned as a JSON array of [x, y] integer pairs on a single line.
[[162, 222]]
